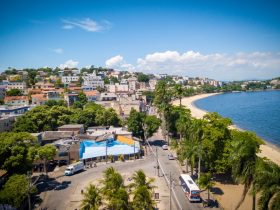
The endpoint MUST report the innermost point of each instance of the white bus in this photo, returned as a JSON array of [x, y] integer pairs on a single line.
[[190, 188]]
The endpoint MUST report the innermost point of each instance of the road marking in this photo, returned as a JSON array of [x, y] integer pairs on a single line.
[[166, 179]]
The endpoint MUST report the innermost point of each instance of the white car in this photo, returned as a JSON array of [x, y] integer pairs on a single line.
[[171, 157], [165, 147]]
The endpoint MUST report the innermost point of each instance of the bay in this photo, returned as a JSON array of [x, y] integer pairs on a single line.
[[255, 111]]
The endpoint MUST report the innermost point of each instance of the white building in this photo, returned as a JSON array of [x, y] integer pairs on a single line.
[[91, 80], [69, 79], [16, 85]]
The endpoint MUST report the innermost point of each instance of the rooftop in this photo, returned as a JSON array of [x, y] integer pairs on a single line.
[[72, 126]]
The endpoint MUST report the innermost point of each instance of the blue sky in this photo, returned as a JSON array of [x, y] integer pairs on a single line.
[[223, 40]]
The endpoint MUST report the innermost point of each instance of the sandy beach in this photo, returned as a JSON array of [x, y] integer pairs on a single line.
[[230, 193], [269, 151]]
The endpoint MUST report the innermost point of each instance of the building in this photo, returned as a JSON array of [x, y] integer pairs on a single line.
[[70, 98], [93, 95], [53, 95], [16, 85], [75, 128], [39, 99], [108, 97], [69, 79], [8, 110], [52, 136], [91, 80], [42, 85], [16, 100]]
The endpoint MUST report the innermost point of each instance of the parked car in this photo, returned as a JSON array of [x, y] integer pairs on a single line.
[[165, 147], [171, 157]]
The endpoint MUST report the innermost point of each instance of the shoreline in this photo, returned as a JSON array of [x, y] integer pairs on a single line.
[[268, 150]]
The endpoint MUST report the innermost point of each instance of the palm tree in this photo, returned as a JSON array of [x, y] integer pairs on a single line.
[[183, 123], [140, 179], [179, 92], [196, 136], [119, 200], [142, 199], [205, 181], [267, 182], [92, 198], [114, 190], [245, 146], [142, 191], [162, 102]]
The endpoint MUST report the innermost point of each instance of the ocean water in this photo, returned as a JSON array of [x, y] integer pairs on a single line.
[[255, 111]]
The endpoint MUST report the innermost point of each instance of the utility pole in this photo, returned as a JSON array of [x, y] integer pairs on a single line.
[[157, 162], [170, 190]]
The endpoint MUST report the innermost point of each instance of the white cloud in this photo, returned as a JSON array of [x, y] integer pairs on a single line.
[[259, 65], [87, 24], [117, 62], [69, 64], [114, 61], [58, 50]]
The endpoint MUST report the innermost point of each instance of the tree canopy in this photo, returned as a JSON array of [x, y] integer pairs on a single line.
[[14, 92], [15, 151]]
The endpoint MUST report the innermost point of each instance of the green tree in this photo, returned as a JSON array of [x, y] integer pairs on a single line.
[[46, 153], [92, 198], [162, 102], [151, 125], [267, 183], [51, 103], [14, 92], [82, 100], [142, 77], [135, 123], [179, 93], [14, 151], [142, 125], [245, 146], [114, 190], [16, 190], [205, 181], [142, 190], [183, 123], [215, 137]]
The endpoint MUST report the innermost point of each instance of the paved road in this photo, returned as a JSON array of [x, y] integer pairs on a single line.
[[172, 166], [70, 196]]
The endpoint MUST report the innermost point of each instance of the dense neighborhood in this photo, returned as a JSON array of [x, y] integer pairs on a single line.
[[55, 123]]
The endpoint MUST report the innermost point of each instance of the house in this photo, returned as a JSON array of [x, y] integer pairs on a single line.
[[92, 80], [53, 95], [69, 79], [75, 128], [70, 98], [39, 99], [93, 95], [42, 85], [16, 100], [108, 97], [132, 83], [52, 136], [16, 85]]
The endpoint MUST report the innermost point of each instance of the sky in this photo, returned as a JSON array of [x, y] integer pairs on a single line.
[[218, 39]]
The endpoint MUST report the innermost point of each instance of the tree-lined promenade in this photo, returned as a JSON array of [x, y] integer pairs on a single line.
[[209, 145]]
